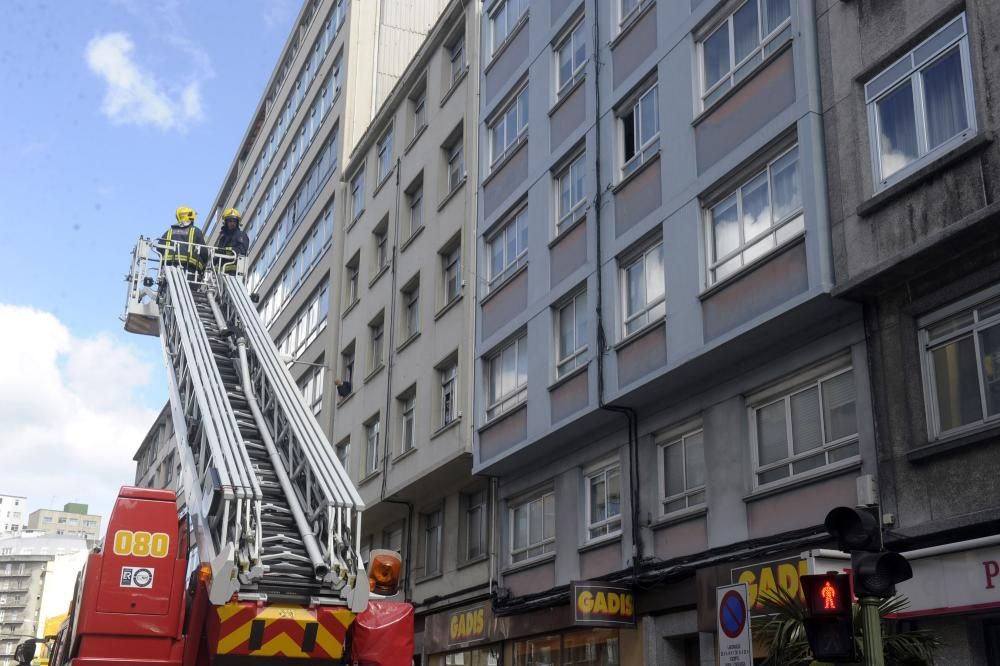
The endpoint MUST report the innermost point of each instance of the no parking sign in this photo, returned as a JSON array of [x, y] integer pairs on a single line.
[[733, 623]]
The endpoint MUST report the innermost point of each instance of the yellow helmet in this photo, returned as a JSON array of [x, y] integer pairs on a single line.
[[231, 214], [184, 215]]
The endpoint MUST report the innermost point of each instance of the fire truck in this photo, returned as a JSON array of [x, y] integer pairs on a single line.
[[256, 558]]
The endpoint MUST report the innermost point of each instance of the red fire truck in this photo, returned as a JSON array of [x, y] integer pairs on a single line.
[[256, 558]]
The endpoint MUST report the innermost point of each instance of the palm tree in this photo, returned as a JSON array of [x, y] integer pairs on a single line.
[[784, 633]]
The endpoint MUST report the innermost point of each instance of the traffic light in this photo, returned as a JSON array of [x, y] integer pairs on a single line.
[[876, 572], [829, 619]]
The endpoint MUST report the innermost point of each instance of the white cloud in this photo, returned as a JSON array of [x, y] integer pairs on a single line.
[[70, 417], [134, 95]]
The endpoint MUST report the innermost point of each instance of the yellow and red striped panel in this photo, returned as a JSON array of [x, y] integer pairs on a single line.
[[244, 628]]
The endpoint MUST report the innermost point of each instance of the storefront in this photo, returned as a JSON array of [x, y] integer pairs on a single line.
[[596, 629]]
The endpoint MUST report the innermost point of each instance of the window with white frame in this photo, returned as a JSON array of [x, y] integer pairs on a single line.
[[628, 9], [682, 471], [380, 247], [312, 386], [571, 57], [754, 31], [392, 537], [456, 59], [533, 528], [419, 121], [456, 164], [451, 270], [372, 445], [415, 205], [507, 248], [805, 429], [376, 334], [343, 451], [604, 502], [411, 309], [504, 17], [762, 214], [507, 376], [358, 194], [640, 130], [351, 283], [961, 364], [509, 126], [922, 104], [642, 288], [384, 150], [572, 337], [448, 374], [570, 197], [432, 524], [474, 525], [407, 429]]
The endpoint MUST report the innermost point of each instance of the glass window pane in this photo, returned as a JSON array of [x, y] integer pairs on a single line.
[[522, 232], [648, 117], [716, 55], [614, 493], [580, 45], [566, 323], [806, 464], [775, 11], [806, 434], [898, 129], [520, 527], [635, 296], [775, 474], [786, 193], [535, 522], [695, 460], [845, 452], [654, 274], [839, 418], [725, 227], [580, 312], [565, 64], [509, 369], [522, 361], [756, 207], [989, 345], [550, 516], [944, 94], [746, 34], [673, 469], [956, 385], [598, 505], [772, 438]]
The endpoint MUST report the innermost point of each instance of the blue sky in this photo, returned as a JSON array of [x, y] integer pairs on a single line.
[[114, 113]]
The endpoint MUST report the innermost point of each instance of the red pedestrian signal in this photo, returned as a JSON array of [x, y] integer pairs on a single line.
[[829, 618]]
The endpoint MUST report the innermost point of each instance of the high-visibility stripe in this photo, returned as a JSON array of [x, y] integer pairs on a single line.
[[181, 258]]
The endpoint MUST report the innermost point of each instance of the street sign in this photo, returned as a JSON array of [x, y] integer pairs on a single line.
[[733, 621]]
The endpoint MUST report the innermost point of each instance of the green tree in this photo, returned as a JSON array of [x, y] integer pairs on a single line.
[[783, 632]]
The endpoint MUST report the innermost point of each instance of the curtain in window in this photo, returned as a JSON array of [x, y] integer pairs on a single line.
[[944, 92], [775, 11], [956, 385], [746, 35]]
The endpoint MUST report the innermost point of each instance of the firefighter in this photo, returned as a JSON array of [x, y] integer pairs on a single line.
[[183, 240], [232, 240]]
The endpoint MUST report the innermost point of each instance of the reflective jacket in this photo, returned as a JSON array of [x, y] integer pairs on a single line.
[[181, 247], [235, 242]]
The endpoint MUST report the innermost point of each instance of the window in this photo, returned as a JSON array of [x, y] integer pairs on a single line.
[[682, 466], [456, 59], [508, 127], [411, 309], [347, 368], [628, 9], [762, 214], [372, 462], [358, 194], [474, 523], [922, 104], [384, 149], [504, 19], [640, 126], [419, 102], [380, 247], [351, 283], [642, 284], [569, 194], [415, 203], [812, 426], [312, 386], [508, 248], [392, 538], [343, 451], [740, 43], [572, 334], [961, 362], [407, 403], [451, 266], [456, 164], [571, 56], [431, 527], [604, 502], [507, 374], [449, 395], [533, 528], [376, 331]]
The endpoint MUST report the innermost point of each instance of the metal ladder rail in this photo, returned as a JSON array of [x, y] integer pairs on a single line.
[[215, 418], [334, 490]]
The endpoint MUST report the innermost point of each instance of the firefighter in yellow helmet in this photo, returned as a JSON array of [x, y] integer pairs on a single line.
[[185, 243], [232, 241]]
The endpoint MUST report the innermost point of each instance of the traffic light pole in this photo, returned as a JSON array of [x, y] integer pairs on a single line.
[[871, 631]]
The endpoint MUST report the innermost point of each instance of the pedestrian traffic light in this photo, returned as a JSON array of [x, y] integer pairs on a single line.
[[829, 621], [876, 571]]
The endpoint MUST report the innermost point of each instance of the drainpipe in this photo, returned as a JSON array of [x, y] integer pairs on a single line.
[[630, 415], [389, 333]]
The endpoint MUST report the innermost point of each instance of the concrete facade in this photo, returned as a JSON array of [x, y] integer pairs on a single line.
[[73, 520], [13, 513], [918, 250], [156, 462]]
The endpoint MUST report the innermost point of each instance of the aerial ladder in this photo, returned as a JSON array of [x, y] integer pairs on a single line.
[[256, 559]]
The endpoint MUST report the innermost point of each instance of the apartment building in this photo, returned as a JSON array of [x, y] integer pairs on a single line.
[[157, 462], [402, 423], [907, 90], [13, 512], [72, 520], [666, 393]]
